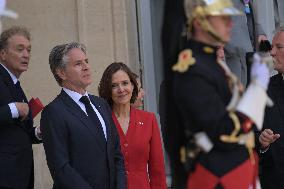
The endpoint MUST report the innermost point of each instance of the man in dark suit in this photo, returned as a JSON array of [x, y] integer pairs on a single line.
[[272, 156], [16, 127], [80, 139]]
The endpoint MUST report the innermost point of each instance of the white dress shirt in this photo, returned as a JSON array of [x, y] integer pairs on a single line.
[[12, 105], [76, 97]]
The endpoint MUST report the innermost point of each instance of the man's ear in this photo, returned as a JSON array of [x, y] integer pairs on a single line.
[[61, 73], [3, 54]]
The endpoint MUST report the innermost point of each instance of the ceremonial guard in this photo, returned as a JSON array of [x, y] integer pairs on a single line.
[[218, 116]]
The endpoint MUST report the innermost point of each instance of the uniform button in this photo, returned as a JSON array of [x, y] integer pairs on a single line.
[[125, 144], [127, 172]]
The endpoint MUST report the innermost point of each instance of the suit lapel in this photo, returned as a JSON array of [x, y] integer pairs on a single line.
[[9, 83], [103, 113], [80, 114]]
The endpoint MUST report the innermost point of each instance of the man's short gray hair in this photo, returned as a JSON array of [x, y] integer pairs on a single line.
[[12, 31], [58, 57]]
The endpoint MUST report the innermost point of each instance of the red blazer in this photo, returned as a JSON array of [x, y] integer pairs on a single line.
[[142, 150]]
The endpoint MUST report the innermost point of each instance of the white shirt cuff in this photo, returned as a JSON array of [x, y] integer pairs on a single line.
[[14, 110], [38, 133], [262, 151]]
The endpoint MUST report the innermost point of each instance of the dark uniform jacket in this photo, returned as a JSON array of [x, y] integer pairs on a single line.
[[201, 93]]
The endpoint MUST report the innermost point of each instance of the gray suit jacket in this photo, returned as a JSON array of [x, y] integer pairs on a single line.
[[240, 44]]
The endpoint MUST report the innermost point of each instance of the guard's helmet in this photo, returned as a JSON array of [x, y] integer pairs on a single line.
[[200, 9]]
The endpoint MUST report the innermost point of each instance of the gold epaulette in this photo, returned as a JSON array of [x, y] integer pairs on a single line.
[[185, 60]]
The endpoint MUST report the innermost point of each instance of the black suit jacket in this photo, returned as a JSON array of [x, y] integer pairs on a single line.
[[5, 110], [16, 138], [272, 161], [75, 156]]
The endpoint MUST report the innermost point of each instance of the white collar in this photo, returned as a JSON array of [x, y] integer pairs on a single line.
[[75, 95]]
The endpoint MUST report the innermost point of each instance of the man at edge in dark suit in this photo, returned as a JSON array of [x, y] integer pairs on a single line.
[[272, 156], [16, 124], [80, 139]]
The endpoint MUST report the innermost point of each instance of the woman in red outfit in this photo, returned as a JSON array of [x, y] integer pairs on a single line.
[[139, 132]]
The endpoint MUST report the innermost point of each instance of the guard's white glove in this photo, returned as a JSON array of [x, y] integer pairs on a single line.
[[260, 72]]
